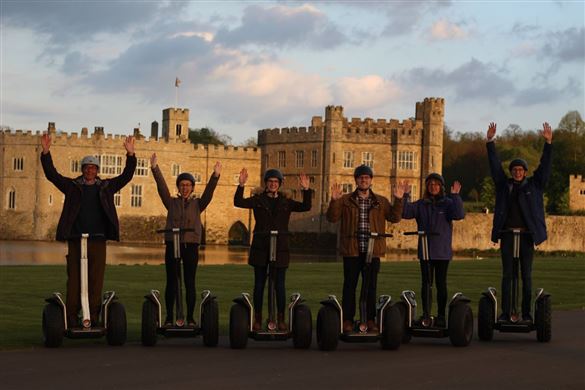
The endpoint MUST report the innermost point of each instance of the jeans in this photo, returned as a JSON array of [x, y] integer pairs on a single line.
[[352, 268], [439, 269], [190, 258], [509, 269], [260, 275]]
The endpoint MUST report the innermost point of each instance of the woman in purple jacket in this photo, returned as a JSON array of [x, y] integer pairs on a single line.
[[434, 214]]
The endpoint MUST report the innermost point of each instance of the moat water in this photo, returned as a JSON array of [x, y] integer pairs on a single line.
[[53, 253]]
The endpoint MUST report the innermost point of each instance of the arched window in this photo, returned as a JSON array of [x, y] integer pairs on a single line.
[[11, 199]]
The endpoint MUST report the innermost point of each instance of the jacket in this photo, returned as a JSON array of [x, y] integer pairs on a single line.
[[530, 197], [435, 217], [72, 188], [346, 209], [267, 220], [185, 214]]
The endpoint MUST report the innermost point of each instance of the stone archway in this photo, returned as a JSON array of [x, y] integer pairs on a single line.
[[238, 234]]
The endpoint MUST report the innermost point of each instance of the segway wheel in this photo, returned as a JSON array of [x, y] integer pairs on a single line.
[[53, 325], [302, 327], [239, 325], [149, 323], [485, 319], [393, 326], [543, 319], [406, 336], [460, 325], [116, 326], [328, 325], [210, 323]]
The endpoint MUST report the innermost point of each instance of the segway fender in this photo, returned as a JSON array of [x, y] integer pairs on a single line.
[[154, 297], [458, 299], [57, 299], [541, 294]]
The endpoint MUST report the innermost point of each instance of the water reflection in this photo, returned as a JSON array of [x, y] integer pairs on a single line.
[[50, 252]]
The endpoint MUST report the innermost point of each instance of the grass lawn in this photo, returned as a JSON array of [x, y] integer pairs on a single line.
[[23, 288]]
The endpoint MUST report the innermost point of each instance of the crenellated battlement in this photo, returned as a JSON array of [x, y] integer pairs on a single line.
[[291, 134]]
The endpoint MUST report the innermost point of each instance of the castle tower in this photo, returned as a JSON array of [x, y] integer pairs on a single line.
[[175, 124], [431, 112]]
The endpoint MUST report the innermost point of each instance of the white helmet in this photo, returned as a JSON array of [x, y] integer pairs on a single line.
[[90, 160]]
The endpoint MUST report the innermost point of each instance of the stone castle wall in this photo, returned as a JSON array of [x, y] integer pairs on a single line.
[[576, 193]]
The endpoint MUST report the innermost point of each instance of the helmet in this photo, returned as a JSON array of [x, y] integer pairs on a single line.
[[363, 170], [185, 176], [437, 177], [518, 162], [273, 173], [90, 160]]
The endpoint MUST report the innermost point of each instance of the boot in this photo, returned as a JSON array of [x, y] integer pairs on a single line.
[[257, 326], [282, 326]]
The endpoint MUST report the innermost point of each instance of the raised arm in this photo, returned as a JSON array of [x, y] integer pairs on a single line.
[[161, 185], [239, 200], [456, 211], [305, 205], [60, 181], [120, 181], [210, 187], [334, 210], [409, 210], [542, 173], [498, 174]]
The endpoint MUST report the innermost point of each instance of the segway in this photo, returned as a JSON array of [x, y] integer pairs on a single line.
[[300, 327], [488, 321], [152, 320], [459, 326], [388, 318], [111, 322]]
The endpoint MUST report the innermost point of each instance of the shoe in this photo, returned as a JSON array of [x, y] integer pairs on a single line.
[[527, 318], [503, 318], [347, 326], [282, 326], [257, 326], [191, 323], [372, 327], [440, 322]]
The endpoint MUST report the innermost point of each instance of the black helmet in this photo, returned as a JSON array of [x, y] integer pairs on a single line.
[[185, 176], [363, 170], [437, 177], [273, 173], [518, 162]]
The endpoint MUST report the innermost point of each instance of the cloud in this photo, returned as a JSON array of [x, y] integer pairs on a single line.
[[404, 17], [566, 46], [547, 94], [365, 93], [445, 30], [283, 26]]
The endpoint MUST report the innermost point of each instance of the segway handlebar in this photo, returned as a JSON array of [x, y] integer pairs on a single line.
[[420, 233], [175, 230], [373, 234]]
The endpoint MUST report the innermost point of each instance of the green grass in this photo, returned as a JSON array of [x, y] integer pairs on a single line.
[[23, 288]]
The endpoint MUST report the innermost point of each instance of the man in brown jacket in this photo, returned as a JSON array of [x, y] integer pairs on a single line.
[[364, 212]]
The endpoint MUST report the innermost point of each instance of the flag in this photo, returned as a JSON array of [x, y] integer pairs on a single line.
[[177, 82]]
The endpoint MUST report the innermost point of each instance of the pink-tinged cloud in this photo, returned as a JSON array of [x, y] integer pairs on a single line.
[[445, 30], [366, 92]]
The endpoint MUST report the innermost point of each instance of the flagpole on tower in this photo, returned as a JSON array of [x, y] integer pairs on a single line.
[[177, 83]]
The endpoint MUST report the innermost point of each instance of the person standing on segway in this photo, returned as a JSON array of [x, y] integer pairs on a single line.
[[272, 209], [434, 215], [184, 212], [366, 212], [519, 205], [88, 208]]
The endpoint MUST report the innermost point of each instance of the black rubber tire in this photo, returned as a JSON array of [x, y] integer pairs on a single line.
[[302, 327], [460, 325], [53, 325], [485, 319], [543, 319], [210, 323], [150, 322], [328, 325], [393, 326], [239, 326], [406, 336], [116, 327]]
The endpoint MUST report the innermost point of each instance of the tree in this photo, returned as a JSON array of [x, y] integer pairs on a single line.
[[488, 193], [250, 143], [208, 136]]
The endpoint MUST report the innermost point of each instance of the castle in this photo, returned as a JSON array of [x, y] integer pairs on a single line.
[[576, 193], [327, 151]]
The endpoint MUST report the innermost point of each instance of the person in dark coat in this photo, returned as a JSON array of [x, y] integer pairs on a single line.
[[272, 209], [88, 208], [519, 205], [435, 213]]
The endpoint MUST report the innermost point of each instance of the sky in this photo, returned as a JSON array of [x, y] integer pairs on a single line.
[[246, 66]]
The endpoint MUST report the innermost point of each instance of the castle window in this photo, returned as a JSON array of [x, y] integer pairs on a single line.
[[294, 194], [368, 159], [237, 179], [117, 199], [175, 170], [413, 193], [50, 199], [300, 158], [348, 159], [314, 157], [311, 179], [136, 195], [432, 161], [75, 168], [266, 161], [281, 159], [407, 160], [12, 199], [197, 177], [18, 164], [141, 167], [110, 164], [178, 129], [346, 188]]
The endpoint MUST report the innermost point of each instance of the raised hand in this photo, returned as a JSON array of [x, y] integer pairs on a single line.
[[400, 188], [336, 191], [491, 133], [243, 177], [547, 132], [217, 169], [456, 187], [46, 142], [153, 161], [304, 181], [129, 145]]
